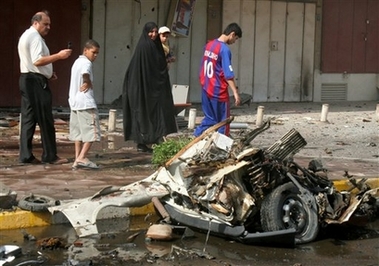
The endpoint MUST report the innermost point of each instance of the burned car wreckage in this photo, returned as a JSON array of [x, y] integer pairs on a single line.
[[232, 189]]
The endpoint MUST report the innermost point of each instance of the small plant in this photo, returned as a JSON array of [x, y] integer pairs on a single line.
[[167, 149]]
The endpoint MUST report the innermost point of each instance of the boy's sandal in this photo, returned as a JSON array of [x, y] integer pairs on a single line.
[[88, 165], [74, 166]]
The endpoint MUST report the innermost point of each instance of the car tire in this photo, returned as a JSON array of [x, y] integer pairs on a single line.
[[36, 203], [284, 208]]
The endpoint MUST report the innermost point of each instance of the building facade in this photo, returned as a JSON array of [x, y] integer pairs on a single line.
[[291, 50]]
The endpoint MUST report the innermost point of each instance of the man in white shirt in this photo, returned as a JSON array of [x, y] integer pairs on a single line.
[[36, 99]]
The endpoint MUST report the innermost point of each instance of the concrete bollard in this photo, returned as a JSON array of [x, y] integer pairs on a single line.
[[324, 112], [111, 142], [112, 120], [192, 118], [235, 125], [260, 112], [377, 112]]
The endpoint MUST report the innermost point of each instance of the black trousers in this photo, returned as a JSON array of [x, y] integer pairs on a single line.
[[36, 107]]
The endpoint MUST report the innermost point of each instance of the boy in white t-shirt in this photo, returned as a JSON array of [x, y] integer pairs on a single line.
[[84, 117]]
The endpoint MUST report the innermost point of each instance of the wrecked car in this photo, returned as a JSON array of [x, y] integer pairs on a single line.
[[231, 188]]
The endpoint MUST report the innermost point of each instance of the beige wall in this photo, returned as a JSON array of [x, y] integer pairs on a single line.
[[117, 25], [277, 59]]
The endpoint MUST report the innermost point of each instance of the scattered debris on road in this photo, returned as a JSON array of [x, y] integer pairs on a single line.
[[233, 189]]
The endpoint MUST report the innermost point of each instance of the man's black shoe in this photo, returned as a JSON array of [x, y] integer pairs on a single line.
[[58, 160], [34, 160], [144, 148]]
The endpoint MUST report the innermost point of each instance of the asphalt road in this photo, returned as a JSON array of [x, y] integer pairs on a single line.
[[348, 247]]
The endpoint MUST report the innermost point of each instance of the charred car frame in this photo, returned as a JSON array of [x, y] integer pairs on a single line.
[[232, 189]]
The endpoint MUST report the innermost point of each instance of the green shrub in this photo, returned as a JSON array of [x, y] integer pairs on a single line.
[[167, 149]]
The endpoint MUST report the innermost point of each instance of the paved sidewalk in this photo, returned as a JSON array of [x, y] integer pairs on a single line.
[[120, 167]]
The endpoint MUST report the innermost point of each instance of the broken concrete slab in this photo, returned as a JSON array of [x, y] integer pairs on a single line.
[[159, 232], [7, 197]]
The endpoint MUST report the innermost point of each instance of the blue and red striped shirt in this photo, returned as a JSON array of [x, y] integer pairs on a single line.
[[216, 69]]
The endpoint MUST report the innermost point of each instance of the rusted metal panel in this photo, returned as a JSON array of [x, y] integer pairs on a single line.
[[214, 19], [9, 86], [279, 48], [198, 34], [372, 23], [329, 35], [65, 27], [359, 37], [261, 51], [277, 51], [350, 36], [117, 41], [234, 7], [307, 68], [345, 37], [294, 46], [246, 59]]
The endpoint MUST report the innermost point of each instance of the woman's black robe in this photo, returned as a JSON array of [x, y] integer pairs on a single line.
[[148, 108]]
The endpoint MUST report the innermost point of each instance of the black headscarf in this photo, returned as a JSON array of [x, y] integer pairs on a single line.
[[148, 106]]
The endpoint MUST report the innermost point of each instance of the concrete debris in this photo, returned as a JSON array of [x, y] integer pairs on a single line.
[[28, 236], [7, 197], [52, 243], [8, 123], [8, 253], [159, 232]]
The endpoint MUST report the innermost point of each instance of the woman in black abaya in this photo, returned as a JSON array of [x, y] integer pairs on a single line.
[[148, 107]]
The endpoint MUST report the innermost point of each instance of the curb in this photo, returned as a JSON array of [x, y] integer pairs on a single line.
[[373, 182], [17, 219]]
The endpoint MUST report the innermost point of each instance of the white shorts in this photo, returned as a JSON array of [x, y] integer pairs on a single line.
[[85, 125]]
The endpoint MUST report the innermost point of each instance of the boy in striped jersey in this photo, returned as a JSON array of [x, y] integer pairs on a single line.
[[216, 75]]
